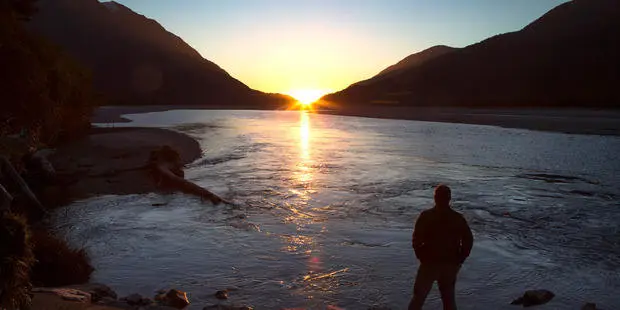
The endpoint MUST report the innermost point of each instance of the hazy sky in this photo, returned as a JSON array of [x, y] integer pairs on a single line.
[[283, 45]]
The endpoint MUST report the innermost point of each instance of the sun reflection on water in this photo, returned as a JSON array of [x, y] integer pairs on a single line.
[[304, 135], [316, 277], [304, 166]]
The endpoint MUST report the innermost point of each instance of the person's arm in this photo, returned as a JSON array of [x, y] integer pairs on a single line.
[[419, 236], [467, 241]]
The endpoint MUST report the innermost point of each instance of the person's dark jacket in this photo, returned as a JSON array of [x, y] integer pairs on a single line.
[[441, 235]]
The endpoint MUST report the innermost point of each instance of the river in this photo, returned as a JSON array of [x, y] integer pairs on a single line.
[[325, 206]]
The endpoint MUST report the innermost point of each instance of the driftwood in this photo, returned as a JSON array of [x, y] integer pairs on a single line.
[[7, 171], [5, 199], [167, 169]]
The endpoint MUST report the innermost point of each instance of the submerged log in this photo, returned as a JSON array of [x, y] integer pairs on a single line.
[[167, 169]]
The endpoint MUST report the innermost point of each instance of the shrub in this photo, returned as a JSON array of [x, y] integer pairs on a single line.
[[16, 259], [58, 264]]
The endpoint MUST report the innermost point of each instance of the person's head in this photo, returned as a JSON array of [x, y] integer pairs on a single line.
[[443, 194]]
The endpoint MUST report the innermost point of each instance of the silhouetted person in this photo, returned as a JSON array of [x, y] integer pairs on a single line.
[[442, 241]]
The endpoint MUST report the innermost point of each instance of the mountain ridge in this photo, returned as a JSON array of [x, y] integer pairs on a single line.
[[135, 60], [418, 58], [564, 58]]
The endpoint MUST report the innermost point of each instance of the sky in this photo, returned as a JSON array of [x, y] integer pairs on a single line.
[[289, 46]]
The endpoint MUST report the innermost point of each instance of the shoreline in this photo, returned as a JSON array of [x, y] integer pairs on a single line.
[[569, 121], [107, 161]]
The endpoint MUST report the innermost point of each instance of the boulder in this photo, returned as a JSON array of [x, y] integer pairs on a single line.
[[156, 307], [115, 303], [221, 294], [226, 307], [133, 299], [589, 306], [173, 298], [534, 298]]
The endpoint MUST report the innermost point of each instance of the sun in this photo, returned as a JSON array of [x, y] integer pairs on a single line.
[[307, 96]]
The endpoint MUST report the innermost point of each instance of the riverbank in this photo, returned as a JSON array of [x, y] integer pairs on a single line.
[[572, 121]]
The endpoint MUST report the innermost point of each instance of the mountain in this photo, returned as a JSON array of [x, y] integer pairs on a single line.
[[134, 60], [409, 62], [417, 59], [568, 57]]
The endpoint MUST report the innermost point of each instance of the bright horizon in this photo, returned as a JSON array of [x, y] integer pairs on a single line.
[[308, 48]]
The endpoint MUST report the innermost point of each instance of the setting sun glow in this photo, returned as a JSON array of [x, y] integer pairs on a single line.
[[307, 96]]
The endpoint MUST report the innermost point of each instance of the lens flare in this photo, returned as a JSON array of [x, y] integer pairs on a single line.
[[307, 96]]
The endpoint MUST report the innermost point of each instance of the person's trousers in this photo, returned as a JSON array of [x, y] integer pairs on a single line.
[[445, 275]]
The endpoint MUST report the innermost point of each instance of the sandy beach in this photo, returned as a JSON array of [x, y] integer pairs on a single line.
[[112, 161]]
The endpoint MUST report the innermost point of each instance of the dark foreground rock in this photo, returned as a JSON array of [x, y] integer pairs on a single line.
[[534, 298], [97, 291], [221, 294], [173, 298], [137, 300], [589, 306], [227, 307]]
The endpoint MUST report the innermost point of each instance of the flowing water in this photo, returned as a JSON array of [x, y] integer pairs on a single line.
[[324, 208]]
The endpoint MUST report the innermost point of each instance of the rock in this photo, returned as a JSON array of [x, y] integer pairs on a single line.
[[227, 307], [589, 306], [221, 294], [146, 301], [116, 304], [156, 307], [97, 291], [533, 298], [105, 300], [173, 298], [133, 299]]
